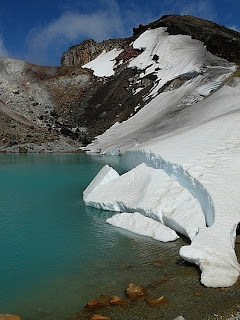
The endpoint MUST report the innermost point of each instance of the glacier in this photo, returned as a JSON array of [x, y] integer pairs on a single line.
[[181, 156]]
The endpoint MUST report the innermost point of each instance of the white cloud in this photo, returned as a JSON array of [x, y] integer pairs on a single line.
[[73, 27]]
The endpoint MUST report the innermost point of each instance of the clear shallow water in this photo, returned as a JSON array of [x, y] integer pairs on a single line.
[[56, 254], [48, 239]]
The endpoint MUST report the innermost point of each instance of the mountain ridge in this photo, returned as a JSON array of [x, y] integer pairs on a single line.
[[70, 106]]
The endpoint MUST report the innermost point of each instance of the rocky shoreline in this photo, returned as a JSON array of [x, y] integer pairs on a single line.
[[60, 145], [168, 295]]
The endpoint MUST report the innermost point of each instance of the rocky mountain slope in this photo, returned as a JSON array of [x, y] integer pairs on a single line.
[[45, 109]]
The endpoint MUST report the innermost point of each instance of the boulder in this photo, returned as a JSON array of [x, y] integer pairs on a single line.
[[135, 292], [22, 149]]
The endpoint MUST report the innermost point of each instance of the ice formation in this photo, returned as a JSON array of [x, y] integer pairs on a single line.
[[142, 225], [151, 192], [181, 153]]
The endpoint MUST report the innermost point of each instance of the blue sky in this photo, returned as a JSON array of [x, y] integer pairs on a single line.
[[40, 31]]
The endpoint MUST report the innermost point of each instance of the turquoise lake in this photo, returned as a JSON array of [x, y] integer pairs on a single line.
[[50, 243], [56, 254]]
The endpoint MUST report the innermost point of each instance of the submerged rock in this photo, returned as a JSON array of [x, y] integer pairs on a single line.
[[98, 317], [7, 316], [93, 304], [157, 263], [156, 301], [237, 241], [104, 300], [115, 300], [135, 292]]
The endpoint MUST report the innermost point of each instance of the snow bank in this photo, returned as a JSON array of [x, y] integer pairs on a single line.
[[210, 153], [103, 65], [139, 224], [205, 160], [155, 193], [171, 111]]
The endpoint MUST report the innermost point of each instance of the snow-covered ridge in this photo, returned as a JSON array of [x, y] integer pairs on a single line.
[[160, 56], [167, 56]]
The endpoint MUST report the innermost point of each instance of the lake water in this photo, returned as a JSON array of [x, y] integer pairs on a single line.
[[56, 254], [49, 241]]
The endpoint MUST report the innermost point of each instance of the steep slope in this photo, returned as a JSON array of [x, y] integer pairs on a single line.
[[38, 106]]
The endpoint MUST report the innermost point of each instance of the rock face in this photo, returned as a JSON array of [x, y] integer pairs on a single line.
[[88, 50]]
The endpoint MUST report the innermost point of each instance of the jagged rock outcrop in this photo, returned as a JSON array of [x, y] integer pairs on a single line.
[[88, 50]]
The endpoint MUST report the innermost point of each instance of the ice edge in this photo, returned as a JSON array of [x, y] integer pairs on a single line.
[[131, 159]]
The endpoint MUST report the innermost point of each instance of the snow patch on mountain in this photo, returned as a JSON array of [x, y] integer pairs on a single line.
[[103, 65], [167, 56]]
